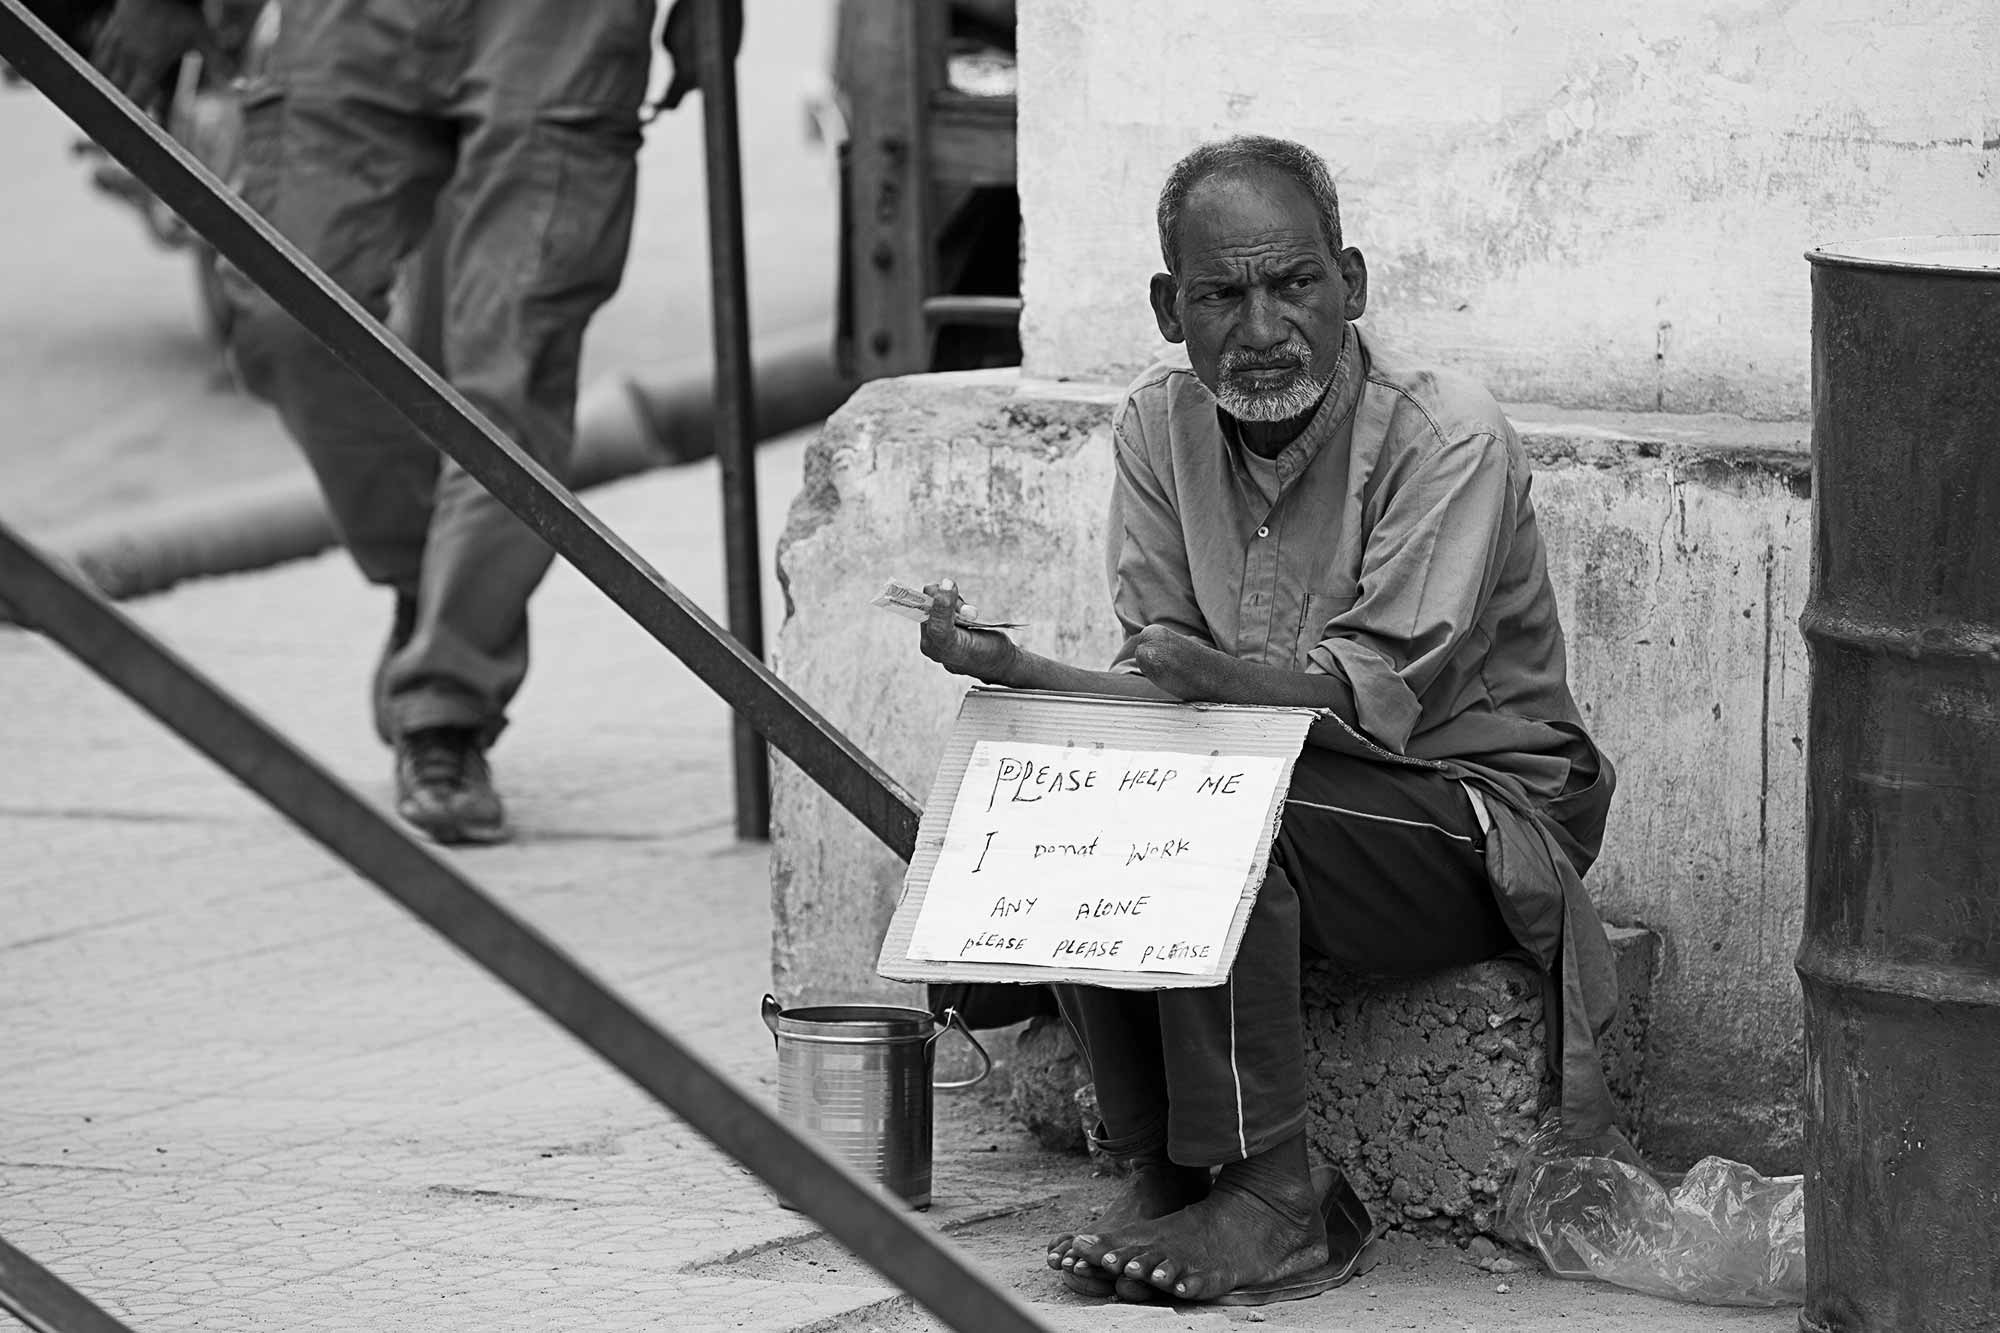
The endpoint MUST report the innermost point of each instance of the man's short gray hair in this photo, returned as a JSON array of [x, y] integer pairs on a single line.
[[1299, 162]]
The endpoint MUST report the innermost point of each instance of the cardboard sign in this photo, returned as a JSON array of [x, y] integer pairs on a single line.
[[1108, 841]]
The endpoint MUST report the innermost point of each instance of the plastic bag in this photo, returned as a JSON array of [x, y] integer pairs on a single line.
[[1725, 1235]]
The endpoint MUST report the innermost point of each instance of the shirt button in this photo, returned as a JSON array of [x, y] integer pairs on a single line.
[[1263, 532]]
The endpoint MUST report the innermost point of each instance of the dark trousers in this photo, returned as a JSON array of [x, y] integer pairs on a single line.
[[1376, 867], [516, 124]]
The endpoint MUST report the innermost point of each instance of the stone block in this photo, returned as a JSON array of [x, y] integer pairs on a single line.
[[1047, 1072], [1424, 1091], [959, 474]]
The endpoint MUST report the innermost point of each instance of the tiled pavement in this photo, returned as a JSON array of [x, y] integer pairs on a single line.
[[243, 1090], [240, 1090]]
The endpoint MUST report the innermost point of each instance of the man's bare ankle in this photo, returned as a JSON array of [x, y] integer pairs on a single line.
[[1280, 1177]]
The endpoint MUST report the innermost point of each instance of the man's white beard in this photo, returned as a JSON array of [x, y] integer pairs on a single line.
[[1295, 396]]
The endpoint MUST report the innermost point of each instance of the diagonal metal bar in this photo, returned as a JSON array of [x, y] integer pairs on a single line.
[[853, 1211], [436, 410], [46, 1303]]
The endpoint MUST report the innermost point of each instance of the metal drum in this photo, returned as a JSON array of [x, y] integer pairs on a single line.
[[857, 1079], [1901, 956]]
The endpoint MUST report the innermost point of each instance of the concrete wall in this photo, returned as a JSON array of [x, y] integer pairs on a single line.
[[1682, 573], [1679, 547], [1584, 202]]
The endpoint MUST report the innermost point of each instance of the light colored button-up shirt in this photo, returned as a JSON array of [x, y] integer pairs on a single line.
[[1392, 543], [1400, 552]]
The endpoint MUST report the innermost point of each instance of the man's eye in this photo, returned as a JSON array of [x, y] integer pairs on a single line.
[[1303, 282]]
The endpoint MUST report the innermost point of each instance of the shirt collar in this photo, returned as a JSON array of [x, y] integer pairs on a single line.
[[1334, 408]]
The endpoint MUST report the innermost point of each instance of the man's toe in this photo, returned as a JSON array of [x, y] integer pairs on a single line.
[[1136, 1291], [1143, 1264], [1188, 1284], [1081, 1276]]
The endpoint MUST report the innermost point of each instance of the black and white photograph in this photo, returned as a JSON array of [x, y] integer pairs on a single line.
[[999, 666]]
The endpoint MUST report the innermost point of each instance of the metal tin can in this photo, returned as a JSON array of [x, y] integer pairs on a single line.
[[857, 1079]]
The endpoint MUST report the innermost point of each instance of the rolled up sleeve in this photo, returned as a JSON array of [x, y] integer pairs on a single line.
[[1147, 561], [1429, 567]]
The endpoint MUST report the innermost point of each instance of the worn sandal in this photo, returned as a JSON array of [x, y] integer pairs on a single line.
[[1349, 1230]]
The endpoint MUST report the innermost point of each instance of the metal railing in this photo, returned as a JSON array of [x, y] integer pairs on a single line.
[[44, 1302], [45, 597]]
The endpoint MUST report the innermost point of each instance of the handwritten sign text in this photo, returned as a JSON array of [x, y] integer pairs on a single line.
[[1088, 856]]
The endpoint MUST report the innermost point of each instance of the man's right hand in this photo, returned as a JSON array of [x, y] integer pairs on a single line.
[[143, 39], [985, 655]]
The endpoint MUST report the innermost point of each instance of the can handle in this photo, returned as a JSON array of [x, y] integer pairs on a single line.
[[953, 1019], [771, 1010]]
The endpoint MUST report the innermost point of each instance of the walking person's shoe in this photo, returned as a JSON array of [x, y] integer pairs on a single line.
[[444, 787]]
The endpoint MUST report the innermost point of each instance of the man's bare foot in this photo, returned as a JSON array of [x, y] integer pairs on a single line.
[[1152, 1190], [1260, 1222]]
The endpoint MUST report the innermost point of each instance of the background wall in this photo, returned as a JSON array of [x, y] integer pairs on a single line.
[[1584, 202]]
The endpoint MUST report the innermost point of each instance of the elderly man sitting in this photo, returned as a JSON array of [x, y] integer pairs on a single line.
[[1300, 517]]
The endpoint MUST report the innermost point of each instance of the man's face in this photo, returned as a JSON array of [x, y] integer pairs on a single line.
[[1260, 298]]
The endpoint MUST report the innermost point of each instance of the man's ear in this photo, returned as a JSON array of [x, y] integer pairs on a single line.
[[1166, 307], [1355, 269]]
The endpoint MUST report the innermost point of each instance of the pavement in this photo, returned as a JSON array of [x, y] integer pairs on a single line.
[[243, 1091]]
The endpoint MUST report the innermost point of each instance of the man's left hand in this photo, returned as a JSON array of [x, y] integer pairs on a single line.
[[1186, 668], [1193, 672]]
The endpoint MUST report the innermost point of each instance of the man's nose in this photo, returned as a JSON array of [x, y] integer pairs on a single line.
[[1264, 323]]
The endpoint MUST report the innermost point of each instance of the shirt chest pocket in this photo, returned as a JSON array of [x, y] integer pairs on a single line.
[[1319, 609]]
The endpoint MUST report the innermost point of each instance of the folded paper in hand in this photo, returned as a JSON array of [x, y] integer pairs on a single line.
[[912, 604]]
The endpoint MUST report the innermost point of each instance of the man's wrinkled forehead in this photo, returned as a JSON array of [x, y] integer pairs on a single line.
[[1250, 213]]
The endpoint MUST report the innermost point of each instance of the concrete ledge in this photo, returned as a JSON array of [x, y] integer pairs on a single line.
[[1424, 1091]]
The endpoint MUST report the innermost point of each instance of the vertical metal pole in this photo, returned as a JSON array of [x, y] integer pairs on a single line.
[[735, 431]]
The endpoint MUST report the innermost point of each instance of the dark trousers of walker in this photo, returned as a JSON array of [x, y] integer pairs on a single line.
[[1376, 867], [510, 128]]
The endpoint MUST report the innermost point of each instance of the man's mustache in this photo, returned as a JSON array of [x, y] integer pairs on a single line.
[[1285, 356]]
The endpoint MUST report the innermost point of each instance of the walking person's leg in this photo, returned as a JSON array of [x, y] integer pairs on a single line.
[[538, 219], [341, 154]]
